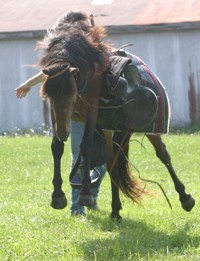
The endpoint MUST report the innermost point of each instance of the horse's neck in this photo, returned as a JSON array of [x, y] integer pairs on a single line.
[[80, 110], [88, 98]]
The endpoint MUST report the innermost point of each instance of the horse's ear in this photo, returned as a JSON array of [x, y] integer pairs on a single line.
[[73, 70], [46, 72]]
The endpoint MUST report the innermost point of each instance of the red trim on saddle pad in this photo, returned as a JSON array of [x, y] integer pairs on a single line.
[[161, 122]]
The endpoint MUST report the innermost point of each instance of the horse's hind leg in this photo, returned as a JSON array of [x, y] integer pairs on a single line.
[[116, 203], [59, 200], [186, 200], [112, 169]]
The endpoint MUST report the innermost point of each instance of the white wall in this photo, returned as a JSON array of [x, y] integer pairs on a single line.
[[15, 113]]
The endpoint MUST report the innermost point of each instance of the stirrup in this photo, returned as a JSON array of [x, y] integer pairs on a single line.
[[94, 182]]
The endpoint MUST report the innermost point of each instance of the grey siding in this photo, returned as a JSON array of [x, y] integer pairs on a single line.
[[172, 55], [15, 58]]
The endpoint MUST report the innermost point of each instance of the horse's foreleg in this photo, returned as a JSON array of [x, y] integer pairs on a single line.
[[59, 200], [85, 196], [93, 87], [186, 200]]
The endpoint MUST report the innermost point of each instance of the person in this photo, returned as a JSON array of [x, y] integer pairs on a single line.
[[77, 130]]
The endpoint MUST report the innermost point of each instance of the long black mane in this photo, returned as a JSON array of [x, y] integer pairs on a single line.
[[73, 41]]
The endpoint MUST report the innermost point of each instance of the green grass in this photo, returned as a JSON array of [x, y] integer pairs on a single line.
[[31, 230]]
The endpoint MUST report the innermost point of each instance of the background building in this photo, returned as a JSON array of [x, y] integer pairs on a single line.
[[166, 35]]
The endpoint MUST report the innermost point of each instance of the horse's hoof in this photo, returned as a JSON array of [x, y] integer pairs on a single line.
[[59, 203], [85, 200], [116, 217], [189, 204]]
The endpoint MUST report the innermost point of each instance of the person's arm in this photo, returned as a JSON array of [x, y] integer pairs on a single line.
[[25, 87]]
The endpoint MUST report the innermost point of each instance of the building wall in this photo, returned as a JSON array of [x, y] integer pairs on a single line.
[[172, 55], [16, 56]]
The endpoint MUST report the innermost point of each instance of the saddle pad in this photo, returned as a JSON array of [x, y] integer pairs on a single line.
[[148, 79]]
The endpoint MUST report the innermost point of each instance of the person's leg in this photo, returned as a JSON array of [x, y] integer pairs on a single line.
[[77, 130]]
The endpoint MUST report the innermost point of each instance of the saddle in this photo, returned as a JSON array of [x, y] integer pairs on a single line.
[[126, 85]]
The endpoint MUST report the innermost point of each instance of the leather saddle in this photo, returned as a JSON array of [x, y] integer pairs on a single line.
[[136, 104]]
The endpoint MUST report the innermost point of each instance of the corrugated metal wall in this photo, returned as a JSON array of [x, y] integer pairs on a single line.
[[173, 56]]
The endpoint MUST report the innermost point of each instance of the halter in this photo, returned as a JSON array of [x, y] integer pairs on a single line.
[[80, 91], [58, 73]]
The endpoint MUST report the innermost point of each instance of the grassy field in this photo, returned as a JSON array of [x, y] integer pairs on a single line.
[[31, 230]]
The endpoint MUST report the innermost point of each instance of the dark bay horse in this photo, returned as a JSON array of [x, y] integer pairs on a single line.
[[78, 70]]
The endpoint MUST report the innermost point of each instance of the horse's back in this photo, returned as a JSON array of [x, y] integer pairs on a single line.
[[160, 124], [146, 106]]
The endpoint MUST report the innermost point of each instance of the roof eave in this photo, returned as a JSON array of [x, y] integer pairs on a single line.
[[111, 29], [22, 34]]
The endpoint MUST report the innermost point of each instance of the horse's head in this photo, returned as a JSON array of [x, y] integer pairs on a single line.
[[60, 87]]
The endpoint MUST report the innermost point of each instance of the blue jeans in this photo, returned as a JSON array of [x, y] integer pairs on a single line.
[[77, 131]]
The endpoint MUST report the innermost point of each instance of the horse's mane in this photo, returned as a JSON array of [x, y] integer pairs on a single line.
[[73, 37], [77, 18]]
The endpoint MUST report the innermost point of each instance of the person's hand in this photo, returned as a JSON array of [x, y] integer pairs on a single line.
[[22, 90]]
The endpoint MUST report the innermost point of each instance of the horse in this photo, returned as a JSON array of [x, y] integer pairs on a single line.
[[115, 94]]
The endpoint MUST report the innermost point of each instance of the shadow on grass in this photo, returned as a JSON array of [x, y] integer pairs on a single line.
[[134, 239]]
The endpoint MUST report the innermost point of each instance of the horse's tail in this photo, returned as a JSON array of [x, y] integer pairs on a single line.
[[121, 175]]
